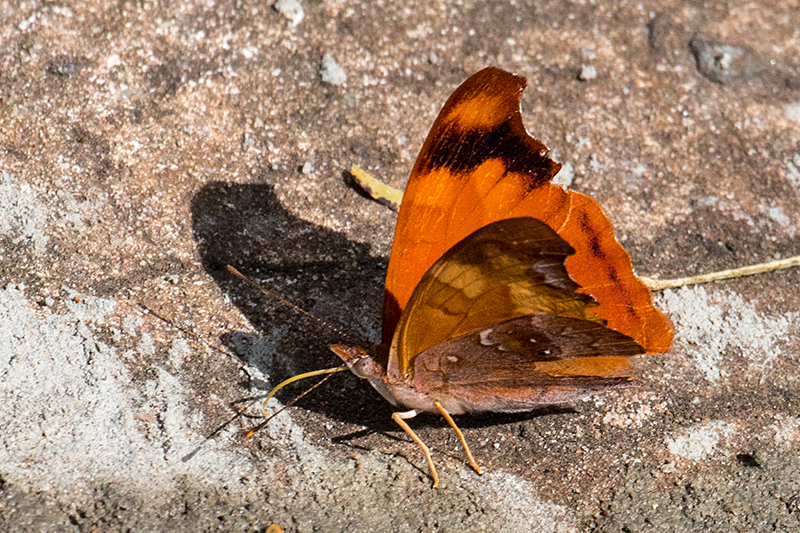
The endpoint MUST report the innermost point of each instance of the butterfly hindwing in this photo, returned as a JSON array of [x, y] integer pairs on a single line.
[[525, 362]]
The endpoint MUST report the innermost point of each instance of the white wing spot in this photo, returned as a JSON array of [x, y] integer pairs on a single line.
[[452, 359], [485, 339]]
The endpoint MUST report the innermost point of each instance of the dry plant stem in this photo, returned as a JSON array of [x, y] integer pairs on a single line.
[[661, 284], [379, 191], [386, 195], [401, 418], [452, 423]]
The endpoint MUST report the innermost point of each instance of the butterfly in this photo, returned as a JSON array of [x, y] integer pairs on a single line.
[[504, 292]]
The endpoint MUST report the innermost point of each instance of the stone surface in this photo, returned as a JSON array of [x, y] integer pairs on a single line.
[[292, 10], [144, 145], [331, 72], [722, 62], [588, 73]]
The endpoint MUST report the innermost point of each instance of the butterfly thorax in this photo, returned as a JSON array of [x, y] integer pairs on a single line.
[[366, 363]]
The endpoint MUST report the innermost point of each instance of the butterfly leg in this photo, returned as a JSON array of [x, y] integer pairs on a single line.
[[452, 423], [401, 418]]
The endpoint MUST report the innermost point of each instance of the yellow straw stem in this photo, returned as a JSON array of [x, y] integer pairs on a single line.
[[379, 191], [661, 284]]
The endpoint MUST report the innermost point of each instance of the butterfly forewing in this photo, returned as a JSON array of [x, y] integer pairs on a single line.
[[477, 147], [479, 165]]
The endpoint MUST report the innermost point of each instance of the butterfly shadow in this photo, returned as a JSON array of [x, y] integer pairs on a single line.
[[318, 270], [475, 421], [324, 273], [446, 442]]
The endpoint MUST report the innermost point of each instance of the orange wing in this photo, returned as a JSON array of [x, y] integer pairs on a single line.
[[479, 165]]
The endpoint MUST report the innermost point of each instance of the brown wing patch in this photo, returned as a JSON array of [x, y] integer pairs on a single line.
[[479, 165], [518, 364], [506, 269]]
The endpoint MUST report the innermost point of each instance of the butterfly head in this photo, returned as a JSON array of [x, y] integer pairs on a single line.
[[370, 364], [361, 362]]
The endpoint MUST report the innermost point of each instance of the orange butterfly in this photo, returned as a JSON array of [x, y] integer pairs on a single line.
[[504, 292]]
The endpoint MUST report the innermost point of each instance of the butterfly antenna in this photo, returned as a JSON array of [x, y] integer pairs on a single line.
[[283, 300], [267, 418]]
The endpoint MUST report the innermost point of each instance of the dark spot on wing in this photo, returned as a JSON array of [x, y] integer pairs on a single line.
[[612, 273], [597, 250], [463, 151]]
